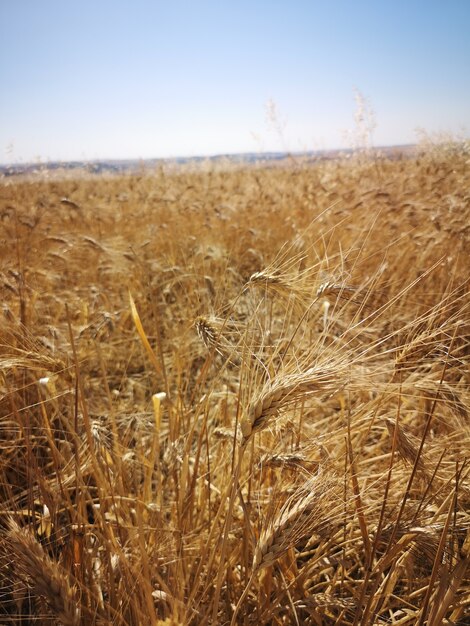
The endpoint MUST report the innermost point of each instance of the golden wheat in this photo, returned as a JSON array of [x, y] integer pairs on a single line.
[[309, 328]]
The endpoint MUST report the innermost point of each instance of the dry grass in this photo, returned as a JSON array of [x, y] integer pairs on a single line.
[[273, 429]]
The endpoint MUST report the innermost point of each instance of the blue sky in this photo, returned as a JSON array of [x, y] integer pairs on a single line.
[[138, 78]]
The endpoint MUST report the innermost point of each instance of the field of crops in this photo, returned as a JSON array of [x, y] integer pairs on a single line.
[[237, 395]]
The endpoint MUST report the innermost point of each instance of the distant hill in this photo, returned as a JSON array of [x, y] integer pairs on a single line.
[[134, 165]]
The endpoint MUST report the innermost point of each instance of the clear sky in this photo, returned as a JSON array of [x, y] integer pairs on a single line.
[[88, 79]]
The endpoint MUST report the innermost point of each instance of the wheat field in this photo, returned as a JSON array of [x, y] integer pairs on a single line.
[[237, 394]]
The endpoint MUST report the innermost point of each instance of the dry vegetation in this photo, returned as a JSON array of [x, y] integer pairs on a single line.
[[237, 396]]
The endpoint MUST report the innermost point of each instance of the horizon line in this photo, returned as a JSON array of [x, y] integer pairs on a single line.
[[270, 154]]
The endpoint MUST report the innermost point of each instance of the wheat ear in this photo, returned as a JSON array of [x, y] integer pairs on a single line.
[[283, 391], [46, 577], [303, 514]]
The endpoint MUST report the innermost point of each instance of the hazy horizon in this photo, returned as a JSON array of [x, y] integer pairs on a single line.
[[141, 80], [274, 153]]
